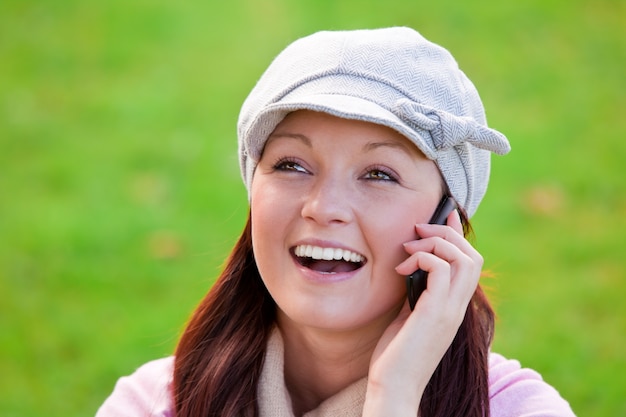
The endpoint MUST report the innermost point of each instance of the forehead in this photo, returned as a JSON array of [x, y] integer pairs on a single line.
[[306, 125]]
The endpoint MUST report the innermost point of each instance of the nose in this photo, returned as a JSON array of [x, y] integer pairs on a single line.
[[328, 202]]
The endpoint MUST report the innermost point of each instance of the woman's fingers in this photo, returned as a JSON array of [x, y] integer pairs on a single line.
[[453, 264], [457, 252], [454, 221], [453, 267]]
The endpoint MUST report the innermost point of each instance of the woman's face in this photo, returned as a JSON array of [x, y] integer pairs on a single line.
[[332, 202]]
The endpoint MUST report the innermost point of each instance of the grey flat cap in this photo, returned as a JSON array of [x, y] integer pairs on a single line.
[[393, 77]]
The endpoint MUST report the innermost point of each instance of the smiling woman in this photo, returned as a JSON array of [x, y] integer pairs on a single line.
[[347, 144], [340, 185]]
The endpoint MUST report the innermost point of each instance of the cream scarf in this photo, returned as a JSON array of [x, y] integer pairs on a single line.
[[273, 397]]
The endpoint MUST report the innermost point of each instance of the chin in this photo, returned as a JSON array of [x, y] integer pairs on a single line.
[[339, 314]]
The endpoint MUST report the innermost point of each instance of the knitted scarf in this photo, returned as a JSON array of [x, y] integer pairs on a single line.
[[274, 399]]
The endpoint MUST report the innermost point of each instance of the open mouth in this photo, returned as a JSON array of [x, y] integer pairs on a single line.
[[328, 260]]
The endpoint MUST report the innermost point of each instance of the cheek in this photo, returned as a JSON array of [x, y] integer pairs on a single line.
[[396, 222], [271, 213], [269, 205], [264, 212], [394, 225], [388, 250]]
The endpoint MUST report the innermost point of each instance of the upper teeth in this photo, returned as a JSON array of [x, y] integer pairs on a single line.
[[327, 254]]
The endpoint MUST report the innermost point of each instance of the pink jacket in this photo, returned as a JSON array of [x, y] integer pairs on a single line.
[[514, 391]]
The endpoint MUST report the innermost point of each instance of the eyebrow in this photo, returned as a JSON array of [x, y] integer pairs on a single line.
[[298, 136], [370, 146], [395, 145]]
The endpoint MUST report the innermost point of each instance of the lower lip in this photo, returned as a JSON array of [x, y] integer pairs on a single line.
[[324, 277]]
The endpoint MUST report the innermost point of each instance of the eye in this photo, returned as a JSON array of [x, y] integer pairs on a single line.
[[380, 174], [288, 164]]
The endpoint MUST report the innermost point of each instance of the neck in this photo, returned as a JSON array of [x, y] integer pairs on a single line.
[[320, 363]]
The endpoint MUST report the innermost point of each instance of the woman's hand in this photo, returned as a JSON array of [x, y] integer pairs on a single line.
[[414, 343]]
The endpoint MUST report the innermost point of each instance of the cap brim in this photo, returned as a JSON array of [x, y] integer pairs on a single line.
[[347, 107]]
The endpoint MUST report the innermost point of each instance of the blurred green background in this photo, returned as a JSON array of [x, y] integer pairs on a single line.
[[120, 193]]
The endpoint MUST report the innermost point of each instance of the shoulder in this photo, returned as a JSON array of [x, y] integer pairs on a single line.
[[146, 392], [517, 391]]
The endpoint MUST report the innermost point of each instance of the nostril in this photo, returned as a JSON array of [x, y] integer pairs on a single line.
[[327, 210]]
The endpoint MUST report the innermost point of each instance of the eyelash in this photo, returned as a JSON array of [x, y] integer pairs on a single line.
[[287, 164], [292, 164], [392, 177]]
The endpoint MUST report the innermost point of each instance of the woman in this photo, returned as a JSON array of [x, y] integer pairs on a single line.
[[347, 144]]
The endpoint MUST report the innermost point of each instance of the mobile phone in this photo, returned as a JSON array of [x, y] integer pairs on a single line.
[[416, 282]]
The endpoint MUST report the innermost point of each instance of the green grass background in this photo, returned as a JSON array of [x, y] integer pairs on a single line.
[[120, 194]]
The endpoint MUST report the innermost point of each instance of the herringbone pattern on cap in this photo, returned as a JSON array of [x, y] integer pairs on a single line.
[[391, 76]]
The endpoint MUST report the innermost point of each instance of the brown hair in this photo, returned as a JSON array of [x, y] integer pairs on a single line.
[[220, 355]]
